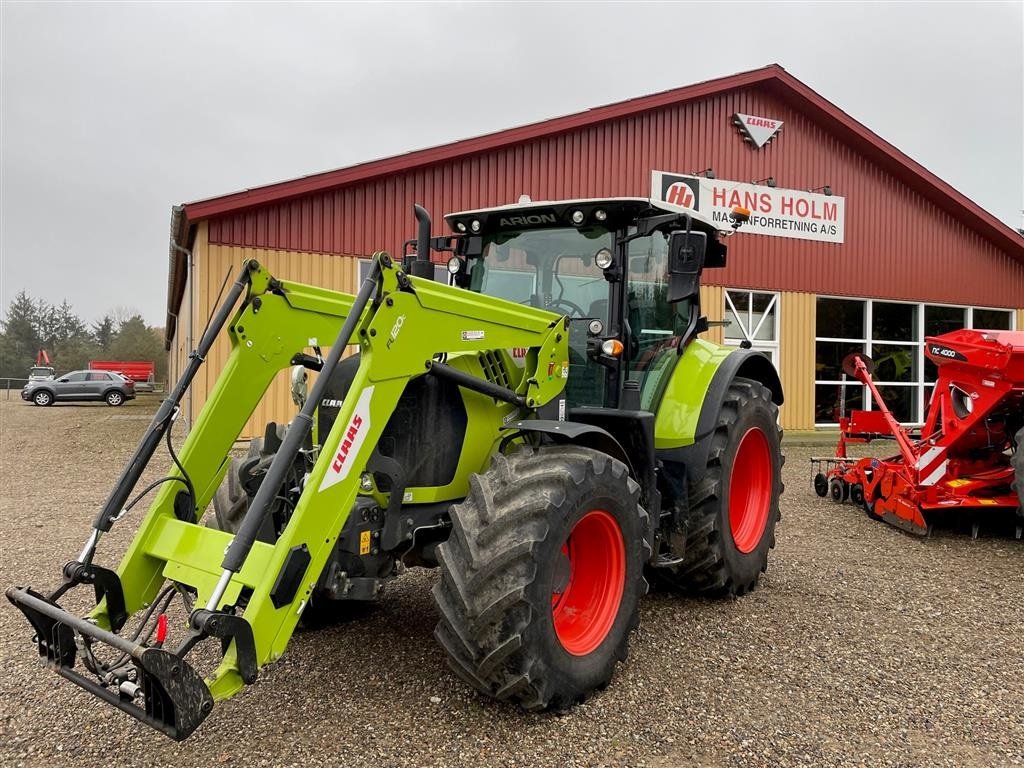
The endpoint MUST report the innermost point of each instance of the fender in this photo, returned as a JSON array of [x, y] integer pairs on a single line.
[[723, 369], [587, 435]]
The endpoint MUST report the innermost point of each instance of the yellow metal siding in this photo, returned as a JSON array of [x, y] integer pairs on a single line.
[[214, 263], [1020, 320], [712, 304], [796, 358], [338, 273]]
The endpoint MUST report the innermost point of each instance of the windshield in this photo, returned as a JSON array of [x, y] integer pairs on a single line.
[[547, 268], [553, 269]]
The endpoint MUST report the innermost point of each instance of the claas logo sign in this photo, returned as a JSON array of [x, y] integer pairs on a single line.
[[682, 191]]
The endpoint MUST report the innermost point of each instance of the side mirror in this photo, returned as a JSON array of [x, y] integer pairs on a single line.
[[686, 252]]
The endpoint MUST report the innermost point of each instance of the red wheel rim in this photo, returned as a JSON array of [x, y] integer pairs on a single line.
[[585, 608], [750, 490]]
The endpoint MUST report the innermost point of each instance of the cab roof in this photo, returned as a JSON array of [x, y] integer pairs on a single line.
[[531, 214]]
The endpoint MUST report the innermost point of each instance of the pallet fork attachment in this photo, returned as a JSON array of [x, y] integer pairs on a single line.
[[252, 601]]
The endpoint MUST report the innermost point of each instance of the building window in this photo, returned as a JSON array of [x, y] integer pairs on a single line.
[[892, 334], [753, 316]]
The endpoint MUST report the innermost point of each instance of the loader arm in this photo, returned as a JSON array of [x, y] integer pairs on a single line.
[[254, 592]]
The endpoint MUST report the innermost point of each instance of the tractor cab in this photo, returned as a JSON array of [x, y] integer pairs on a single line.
[[624, 271]]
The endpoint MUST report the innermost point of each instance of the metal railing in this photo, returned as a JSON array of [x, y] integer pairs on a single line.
[[15, 384]]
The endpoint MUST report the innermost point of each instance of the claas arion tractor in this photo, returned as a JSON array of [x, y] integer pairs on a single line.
[[968, 456], [547, 430]]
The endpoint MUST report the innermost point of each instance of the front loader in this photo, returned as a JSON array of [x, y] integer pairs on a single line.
[[548, 430]]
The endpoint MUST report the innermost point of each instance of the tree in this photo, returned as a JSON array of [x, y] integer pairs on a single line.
[[136, 341], [103, 333], [22, 340], [65, 336]]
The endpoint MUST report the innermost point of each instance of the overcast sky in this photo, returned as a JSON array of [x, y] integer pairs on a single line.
[[112, 113]]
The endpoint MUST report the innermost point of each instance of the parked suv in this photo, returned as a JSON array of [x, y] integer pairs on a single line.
[[81, 385]]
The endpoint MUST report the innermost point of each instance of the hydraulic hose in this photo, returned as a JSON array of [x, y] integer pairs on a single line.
[[166, 413]]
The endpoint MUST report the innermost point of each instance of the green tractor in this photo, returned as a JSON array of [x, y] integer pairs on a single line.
[[547, 430]]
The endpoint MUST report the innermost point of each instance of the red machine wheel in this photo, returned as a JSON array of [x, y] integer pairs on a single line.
[[857, 494], [750, 490], [838, 490]]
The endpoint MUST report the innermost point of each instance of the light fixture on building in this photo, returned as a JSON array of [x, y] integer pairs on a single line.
[[707, 173], [768, 181], [825, 190]]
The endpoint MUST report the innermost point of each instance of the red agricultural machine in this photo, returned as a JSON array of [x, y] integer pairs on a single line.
[[968, 456]]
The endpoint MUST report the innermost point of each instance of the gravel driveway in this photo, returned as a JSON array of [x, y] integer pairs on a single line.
[[862, 646]]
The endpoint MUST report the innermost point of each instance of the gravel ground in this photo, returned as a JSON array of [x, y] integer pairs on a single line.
[[862, 646]]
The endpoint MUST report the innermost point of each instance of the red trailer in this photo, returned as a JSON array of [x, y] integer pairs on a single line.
[[142, 372]]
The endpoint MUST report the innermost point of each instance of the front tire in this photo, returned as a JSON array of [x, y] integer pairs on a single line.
[[43, 398], [541, 576], [734, 508]]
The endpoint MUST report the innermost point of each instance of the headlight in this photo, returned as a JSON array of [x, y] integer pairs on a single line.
[[461, 226], [475, 225], [454, 265], [600, 215], [577, 217], [595, 327], [603, 258]]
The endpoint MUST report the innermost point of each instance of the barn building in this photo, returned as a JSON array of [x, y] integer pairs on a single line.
[[852, 245]]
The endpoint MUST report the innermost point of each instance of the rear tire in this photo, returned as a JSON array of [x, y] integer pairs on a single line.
[[114, 398], [541, 576], [726, 550]]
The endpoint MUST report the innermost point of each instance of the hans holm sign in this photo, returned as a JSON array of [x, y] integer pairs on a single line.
[[776, 212]]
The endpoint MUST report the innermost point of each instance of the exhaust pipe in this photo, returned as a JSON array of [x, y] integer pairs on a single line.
[[422, 266]]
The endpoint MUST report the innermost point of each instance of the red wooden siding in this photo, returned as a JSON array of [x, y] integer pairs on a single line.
[[899, 245]]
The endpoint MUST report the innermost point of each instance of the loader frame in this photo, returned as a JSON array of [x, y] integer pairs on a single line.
[[405, 327]]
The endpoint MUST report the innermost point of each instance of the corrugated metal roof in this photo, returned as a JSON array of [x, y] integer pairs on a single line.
[[908, 228], [784, 84]]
